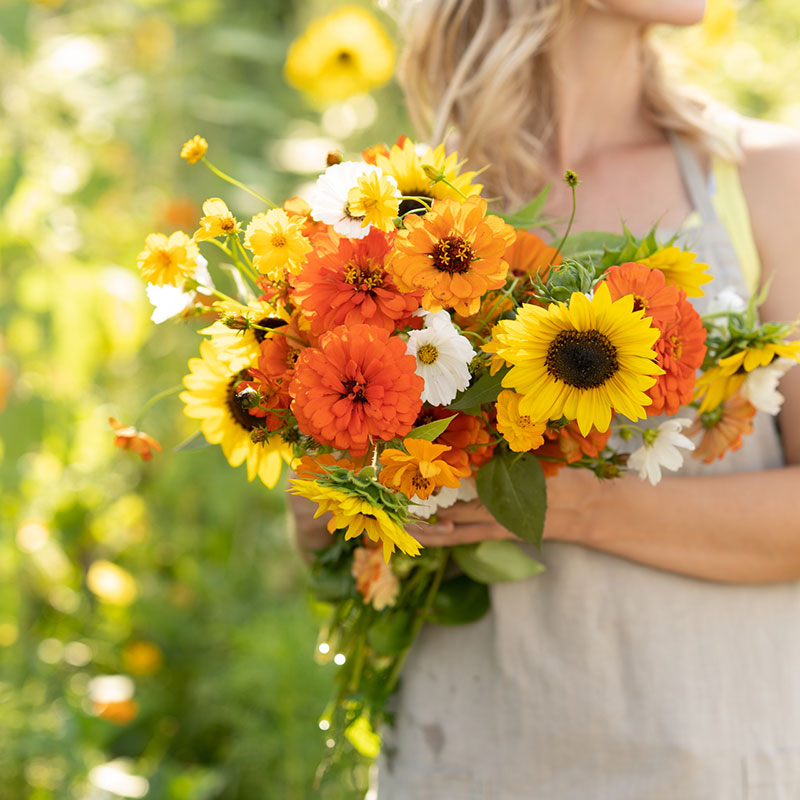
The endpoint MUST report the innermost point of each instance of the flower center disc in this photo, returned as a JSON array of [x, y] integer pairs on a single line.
[[452, 254], [363, 277], [584, 359], [354, 391], [428, 354], [241, 416]]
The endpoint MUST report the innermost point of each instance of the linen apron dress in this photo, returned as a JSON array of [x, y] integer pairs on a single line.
[[603, 679]]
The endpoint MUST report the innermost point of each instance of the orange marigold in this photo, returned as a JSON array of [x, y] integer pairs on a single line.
[[455, 253], [681, 346], [346, 283], [419, 469], [723, 428], [358, 384], [127, 437], [375, 579]]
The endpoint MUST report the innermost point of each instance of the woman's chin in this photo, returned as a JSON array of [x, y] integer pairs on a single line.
[[674, 12]]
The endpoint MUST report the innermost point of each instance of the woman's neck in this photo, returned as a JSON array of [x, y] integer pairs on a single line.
[[597, 85]]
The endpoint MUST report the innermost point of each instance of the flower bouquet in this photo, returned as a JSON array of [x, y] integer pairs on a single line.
[[401, 347]]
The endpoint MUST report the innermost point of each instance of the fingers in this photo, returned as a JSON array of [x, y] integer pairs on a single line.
[[448, 535]]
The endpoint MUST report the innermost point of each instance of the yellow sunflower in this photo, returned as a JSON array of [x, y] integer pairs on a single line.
[[355, 515], [519, 430], [344, 53], [723, 380], [408, 169], [581, 360], [680, 269], [211, 398]]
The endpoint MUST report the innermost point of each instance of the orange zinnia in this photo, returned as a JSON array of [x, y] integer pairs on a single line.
[[567, 445], [346, 283], [455, 253], [419, 470], [723, 428], [681, 346], [127, 437], [359, 384]]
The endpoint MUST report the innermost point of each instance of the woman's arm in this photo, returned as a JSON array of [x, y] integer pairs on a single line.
[[743, 527]]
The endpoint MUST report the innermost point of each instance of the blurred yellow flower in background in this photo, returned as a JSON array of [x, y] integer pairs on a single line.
[[111, 584], [344, 53], [142, 658], [194, 149]]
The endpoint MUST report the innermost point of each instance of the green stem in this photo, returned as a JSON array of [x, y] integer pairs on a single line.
[[220, 174], [569, 224], [154, 399]]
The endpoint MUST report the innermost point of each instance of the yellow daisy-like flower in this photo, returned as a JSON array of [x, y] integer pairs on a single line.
[[355, 515], [722, 381], [407, 168], [521, 433], [211, 398], [376, 200], [278, 243], [194, 149], [680, 269], [581, 360], [344, 53], [217, 221], [168, 261]]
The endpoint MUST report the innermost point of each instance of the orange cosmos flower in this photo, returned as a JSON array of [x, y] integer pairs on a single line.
[[375, 579], [455, 253], [359, 384], [567, 445], [310, 467], [467, 437], [493, 305], [346, 283], [723, 428], [528, 254], [419, 470], [126, 437], [299, 210], [681, 346]]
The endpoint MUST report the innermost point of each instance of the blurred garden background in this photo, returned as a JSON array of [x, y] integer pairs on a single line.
[[156, 633]]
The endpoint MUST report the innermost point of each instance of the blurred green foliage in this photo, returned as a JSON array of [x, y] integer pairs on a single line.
[[95, 100]]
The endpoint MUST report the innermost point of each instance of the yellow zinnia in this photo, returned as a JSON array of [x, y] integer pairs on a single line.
[[168, 261], [278, 243], [582, 360], [344, 53], [217, 221], [376, 200], [521, 433], [680, 269], [355, 515], [211, 398], [724, 379]]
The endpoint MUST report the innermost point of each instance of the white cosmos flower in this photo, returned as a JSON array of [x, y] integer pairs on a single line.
[[660, 449], [444, 498], [760, 387], [328, 198], [169, 301], [443, 357]]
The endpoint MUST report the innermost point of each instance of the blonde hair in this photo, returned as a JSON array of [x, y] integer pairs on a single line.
[[480, 68]]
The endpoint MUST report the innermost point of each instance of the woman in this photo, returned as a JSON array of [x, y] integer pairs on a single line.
[[658, 658]]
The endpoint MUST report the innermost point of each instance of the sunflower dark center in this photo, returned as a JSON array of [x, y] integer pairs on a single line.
[[583, 359], [452, 254], [364, 277], [414, 206], [345, 58], [266, 322], [354, 390], [237, 403], [640, 303]]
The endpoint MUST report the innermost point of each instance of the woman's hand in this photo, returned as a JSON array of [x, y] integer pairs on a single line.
[[462, 523]]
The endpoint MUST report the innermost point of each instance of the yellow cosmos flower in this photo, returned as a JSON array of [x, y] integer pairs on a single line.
[[376, 200], [680, 269], [722, 381], [344, 53], [581, 360], [406, 167], [278, 243], [217, 221], [211, 398], [194, 149], [521, 433], [168, 261], [355, 515]]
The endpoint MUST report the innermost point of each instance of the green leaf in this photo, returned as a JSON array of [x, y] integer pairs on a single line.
[[460, 600], [391, 632], [591, 243], [361, 735], [528, 216], [328, 585], [431, 430], [496, 562], [195, 442], [484, 390], [512, 487]]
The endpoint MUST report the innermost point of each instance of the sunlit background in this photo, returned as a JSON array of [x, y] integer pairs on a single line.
[[156, 635]]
